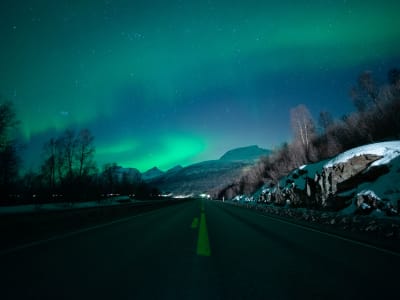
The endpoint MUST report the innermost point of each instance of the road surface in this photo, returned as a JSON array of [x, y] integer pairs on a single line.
[[198, 250]]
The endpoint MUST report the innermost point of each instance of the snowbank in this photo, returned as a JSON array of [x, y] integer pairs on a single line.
[[388, 151], [29, 208]]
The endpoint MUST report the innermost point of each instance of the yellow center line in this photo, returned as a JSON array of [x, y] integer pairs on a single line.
[[203, 244]]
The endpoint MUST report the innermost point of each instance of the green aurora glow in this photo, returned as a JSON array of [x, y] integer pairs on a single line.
[[67, 64]]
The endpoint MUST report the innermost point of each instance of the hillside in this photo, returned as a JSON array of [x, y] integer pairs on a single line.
[[151, 174], [249, 153], [364, 180], [206, 176]]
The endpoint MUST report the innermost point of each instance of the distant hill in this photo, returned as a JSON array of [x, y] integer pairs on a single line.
[[199, 178], [152, 174], [249, 153], [208, 175], [130, 173], [174, 170]]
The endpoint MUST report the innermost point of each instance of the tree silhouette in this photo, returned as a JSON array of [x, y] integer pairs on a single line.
[[50, 163], [366, 93], [325, 120], [9, 160], [69, 164], [85, 152]]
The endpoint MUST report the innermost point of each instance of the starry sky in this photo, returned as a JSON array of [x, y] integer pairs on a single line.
[[161, 83]]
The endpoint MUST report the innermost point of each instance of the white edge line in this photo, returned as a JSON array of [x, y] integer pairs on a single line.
[[68, 234], [332, 235]]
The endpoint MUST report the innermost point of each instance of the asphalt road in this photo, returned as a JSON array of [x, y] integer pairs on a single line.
[[198, 250]]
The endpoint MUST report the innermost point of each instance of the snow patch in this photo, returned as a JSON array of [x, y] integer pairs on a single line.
[[388, 151], [365, 206], [62, 206], [369, 193]]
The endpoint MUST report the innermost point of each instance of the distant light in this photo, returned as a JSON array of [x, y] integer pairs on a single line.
[[166, 195], [183, 196], [205, 196]]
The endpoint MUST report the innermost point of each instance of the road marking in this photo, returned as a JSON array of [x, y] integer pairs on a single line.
[[68, 234], [333, 235], [195, 223], [203, 244]]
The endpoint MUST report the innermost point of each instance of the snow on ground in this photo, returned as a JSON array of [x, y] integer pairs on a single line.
[[369, 193], [388, 151], [28, 208], [386, 186], [299, 175]]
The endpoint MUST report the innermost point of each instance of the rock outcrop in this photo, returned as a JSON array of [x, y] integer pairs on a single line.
[[342, 177], [362, 180]]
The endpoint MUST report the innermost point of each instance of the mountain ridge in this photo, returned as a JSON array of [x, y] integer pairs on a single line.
[[205, 176], [152, 173], [252, 152]]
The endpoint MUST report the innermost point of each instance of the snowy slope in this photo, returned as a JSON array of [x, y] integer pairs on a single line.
[[372, 189], [206, 176], [388, 151], [385, 189], [249, 153], [152, 174]]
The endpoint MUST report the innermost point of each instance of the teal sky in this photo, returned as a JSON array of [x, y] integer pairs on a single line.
[[162, 83]]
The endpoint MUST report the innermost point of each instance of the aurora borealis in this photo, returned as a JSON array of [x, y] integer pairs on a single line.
[[161, 83]]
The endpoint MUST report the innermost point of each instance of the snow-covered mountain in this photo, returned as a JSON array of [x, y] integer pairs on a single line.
[[152, 174], [199, 178], [174, 170], [206, 176], [249, 153]]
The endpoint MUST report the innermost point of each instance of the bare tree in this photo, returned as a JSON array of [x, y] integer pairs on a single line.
[[60, 161], [85, 152], [394, 77], [392, 90], [365, 93], [252, 178], [324, 121], [110, 177], [69, 165], [8, 121], [281, 162], [9, 160], [68, 144], [49, 165], [304, 132]]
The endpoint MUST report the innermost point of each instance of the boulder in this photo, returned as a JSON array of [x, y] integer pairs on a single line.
[[344, 176]]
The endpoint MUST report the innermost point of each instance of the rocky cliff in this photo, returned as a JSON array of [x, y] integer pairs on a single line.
[[362, 180]]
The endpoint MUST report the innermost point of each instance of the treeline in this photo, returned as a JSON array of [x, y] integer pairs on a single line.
[[377, 118], [68, 172]]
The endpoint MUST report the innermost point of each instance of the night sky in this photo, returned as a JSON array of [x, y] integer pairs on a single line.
[[161, 83]]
